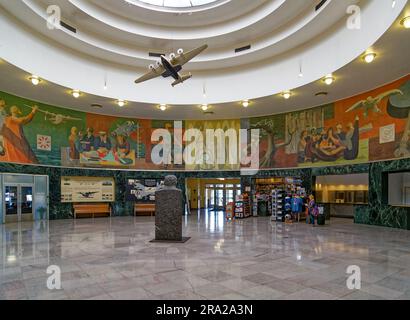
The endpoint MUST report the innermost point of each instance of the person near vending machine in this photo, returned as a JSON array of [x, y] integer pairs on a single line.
[[313, 210], [297, 207]]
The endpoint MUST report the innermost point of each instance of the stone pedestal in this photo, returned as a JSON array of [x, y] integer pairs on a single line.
[[168, 215], [168, 212]]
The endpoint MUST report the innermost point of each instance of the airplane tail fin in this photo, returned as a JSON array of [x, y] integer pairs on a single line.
[[182, 79]]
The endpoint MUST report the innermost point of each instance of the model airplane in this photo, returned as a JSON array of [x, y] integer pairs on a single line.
[[55, 118], [371, 104], [87, 194], [172, 66]]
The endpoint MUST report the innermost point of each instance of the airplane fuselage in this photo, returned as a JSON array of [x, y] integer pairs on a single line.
[[170, 70]]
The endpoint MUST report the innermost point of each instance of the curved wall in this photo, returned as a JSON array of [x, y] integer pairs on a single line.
[[369, 127]]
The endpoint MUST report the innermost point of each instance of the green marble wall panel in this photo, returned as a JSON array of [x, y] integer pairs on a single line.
[[376, 212]]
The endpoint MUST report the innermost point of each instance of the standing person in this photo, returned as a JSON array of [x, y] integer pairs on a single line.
[[313, 210], [16, 145]]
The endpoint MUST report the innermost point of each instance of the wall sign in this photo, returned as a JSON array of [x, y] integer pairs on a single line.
[[142, 190], [87, 189]]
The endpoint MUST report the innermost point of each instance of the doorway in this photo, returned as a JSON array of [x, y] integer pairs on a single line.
[[18, 202], [23, 197], [217, 196], [212, 194]]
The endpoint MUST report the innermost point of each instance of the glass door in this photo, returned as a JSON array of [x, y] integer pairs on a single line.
[[229, 196], [219, 199], [18, 202], [26, 203], [10, 202]]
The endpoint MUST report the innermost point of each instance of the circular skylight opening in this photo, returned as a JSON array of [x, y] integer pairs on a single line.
[[179, 5]]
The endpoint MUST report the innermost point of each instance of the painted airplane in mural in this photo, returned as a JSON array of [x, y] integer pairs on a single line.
[[55, 118], [172, 66], [88, 194], [371, 104]]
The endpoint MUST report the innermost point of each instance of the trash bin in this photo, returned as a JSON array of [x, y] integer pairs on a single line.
[[321, 218]]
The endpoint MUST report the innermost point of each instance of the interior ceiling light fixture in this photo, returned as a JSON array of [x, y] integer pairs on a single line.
[[405, 22], [245, 103], [35, 80], [328, 79], [204, 107], [162, 107], [76, 93], [121, 102], [369, 57], [286, 94]]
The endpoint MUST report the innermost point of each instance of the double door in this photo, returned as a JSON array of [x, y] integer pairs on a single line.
[[18, 202], [220, 196]]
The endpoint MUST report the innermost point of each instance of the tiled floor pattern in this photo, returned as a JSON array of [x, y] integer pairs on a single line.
[[246, 259]]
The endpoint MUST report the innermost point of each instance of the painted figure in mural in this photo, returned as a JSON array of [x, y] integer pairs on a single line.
[[3, 115], [122, 147], [88, 140], [73, 141], [16, 146], [102, 144], [330, 145], [352, 140]]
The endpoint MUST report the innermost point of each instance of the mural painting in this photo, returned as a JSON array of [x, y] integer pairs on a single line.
[[368, 127]]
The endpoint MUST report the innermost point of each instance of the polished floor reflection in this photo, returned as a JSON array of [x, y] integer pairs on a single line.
[[112, 258]]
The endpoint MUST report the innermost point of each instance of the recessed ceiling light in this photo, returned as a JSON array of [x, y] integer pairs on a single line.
[[35, 80], [405, 22], [121, 102], [245, 103], [76, 93], [329, 79], [204, 107], [369, 57], [286, 94], [162, 107]]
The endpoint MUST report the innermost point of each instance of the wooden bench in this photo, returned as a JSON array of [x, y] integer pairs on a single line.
[[91, 210], [144, 209]]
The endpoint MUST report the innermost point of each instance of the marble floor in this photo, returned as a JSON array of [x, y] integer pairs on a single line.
[[112, 258]]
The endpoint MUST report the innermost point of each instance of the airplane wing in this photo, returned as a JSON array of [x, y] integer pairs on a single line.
[[71, 118], [151, 74], [355, 106], [389, 93], [184, 58]]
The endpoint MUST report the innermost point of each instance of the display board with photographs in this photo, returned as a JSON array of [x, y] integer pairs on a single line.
[[87, 189], [142, 190]]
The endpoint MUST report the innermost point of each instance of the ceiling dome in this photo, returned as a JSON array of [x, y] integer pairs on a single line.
[[178, 4], [256, 48]]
